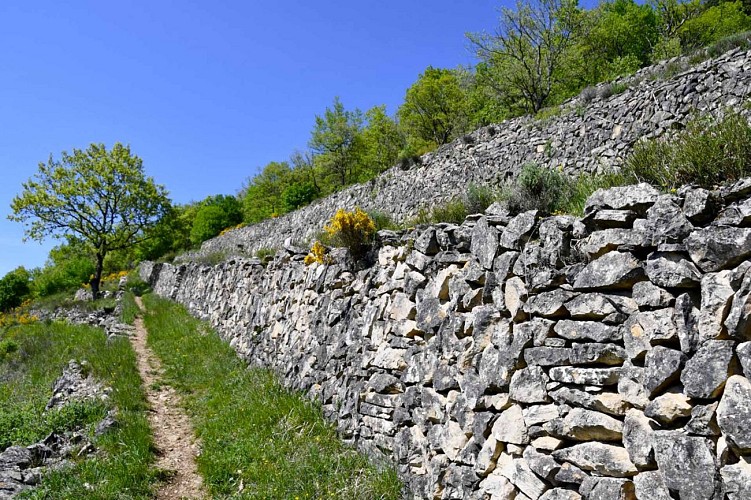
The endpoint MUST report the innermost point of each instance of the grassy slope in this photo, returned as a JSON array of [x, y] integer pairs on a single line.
[[26, 378], [255, 433]]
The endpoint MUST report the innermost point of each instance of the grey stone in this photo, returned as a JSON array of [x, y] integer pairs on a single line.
[[669, 407], [528, 385], [484, 243], [590, 306], [637, 198], [560, 494], [538, 329], [686, 319], [541, 464], [595, 353], [744, 355], [716, 297], [648, 295], [716, 248], [705, 373], [587, 425], [571, 474], [430, 314], [607, 402], [427, 243], [510, 428], [699, 205], [547, 356], [587, 330], [518, 230], [671, 270], [737, 481], [515, 298], [609, 488], [638, 431], [738, 322], [645, 329], [687, 464], [585, 376], [650, 485], [549, 304], [538, 414], [631, 385], [603, 219], [734, 413], [601, 242], [612, 271], [666, 222], [605, 459], [521, 476], [662, 368], [704, 421]]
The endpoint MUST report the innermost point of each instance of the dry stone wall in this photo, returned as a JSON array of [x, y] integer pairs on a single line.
[[588, 136], [521, 357]]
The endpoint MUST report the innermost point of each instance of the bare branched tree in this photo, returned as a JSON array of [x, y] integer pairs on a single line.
[[529, 45]]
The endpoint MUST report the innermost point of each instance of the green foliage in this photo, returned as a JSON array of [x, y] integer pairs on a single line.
[[335, 139], [529, 47], [382, 221], [209, 221], [713, 24], [14, 288], [68, 267], [742, 40], [381, 142], [265, 254], [297, 195], [538, 188], [435, 109], [123, 466], [252, 429], [101, 197], [708, 152]]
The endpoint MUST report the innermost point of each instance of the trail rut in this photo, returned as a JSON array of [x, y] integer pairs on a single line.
[[173, 433]]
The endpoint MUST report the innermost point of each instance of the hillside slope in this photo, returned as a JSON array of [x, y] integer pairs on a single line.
[[586, 137]]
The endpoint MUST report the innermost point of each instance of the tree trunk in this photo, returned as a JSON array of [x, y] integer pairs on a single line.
[[97, 275]]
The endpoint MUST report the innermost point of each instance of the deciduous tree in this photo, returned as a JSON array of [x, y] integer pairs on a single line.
[[102, 197]]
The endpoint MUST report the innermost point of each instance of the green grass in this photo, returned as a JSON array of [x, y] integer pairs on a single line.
[[129, 310], [124, 469], [252, 429]]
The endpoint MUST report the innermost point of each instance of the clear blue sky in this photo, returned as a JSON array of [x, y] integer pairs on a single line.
[[204, 92]]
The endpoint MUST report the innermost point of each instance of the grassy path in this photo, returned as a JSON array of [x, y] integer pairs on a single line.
[[258, 439], [173, 434]]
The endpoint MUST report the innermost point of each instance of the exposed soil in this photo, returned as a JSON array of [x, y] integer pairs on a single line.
[[173, 433]]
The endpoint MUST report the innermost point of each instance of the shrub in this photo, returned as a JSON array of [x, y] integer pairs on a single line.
[[583, 186], [478, 198], [265, 253], [742, 40], [14, 287], [588, 94], [708, 152], [298, 194], [538, 188], [353, 230], [382, 220]]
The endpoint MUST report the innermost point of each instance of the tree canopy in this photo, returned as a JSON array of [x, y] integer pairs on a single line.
[[100, 196]]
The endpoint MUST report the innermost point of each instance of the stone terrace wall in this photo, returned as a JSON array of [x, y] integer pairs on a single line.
[[587, 137], [556, 358]]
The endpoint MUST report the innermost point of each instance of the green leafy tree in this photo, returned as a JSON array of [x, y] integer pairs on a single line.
[[102, 197], [335, 141], [298, 194], [14, 287], [262, 196], [230, 205], [209, 222], [530, 44], [714, 23], [381, 143], [435, 109]]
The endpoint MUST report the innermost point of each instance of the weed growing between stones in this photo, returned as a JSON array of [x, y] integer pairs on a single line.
[[353, 230], [259, 439]]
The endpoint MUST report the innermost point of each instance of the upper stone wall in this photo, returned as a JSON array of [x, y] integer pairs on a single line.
[[587, 137], [520, 358]]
